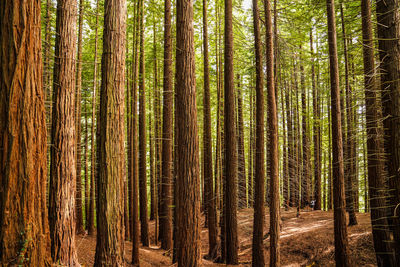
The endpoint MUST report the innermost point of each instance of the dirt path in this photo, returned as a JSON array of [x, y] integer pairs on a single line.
[[305, 240]]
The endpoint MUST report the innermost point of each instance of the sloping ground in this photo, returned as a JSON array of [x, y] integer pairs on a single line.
[[305, 240]]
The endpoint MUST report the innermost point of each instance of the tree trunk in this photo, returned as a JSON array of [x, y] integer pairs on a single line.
[[134, 186], [273, 139], [23, 212], [188, 182], [78, 204], [63, 168], [144, 227], [350, 194], [110, 202], [230, 206], [340, 228], [167, 135], [388, 18], [317, 133], [242, 201], [93, 171], [376, 172], [207, 148], [259, 212]]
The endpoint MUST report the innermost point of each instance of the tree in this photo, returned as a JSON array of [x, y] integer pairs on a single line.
[[258, 224], [376, 176], [22, 138], [110, 202], [144, 227], [63, 149], [340, 228], [389, 33], [230, 206], [79, 214], [167, 140], [207, 148], [134, 186], [273, 139], [187, 149], [93, 171]]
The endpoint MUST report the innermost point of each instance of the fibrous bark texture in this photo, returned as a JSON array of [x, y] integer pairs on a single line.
[[23, 214], [110, 186], [187, 150]]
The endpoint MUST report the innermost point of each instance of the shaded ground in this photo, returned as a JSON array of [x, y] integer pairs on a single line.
[[307, 240]]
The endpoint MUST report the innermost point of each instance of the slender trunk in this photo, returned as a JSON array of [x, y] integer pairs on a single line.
[[230, 206], [350, 194], [23, 212], [242, 201], [134, 186], [144, 227], [259, 212], [273, 139], [207, 148], [167, 134], [93, 171], [78, 198], [340, 228], [111, 152], [376, 172]]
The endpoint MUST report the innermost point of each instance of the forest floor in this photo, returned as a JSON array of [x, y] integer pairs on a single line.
[[304, 241]]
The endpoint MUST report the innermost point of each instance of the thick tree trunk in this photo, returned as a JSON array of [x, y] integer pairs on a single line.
[[389, 51], [340, 228], [144, 227], [230, 206], [63, 168], [207, 148], [110, 202], [259, 212], [376, 172], [187, 150], [273, 139], [23, 170]]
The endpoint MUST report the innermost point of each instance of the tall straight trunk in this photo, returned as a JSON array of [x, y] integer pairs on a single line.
[[93, 171], [23, 212], [110, 201], [86, 168], [306, 178], [63, 168], [350, 194], [259, 211], [207, 148], [167, 135], [388, 18], [144, 227], [242, 201], [187, 150], [78, 198], [317, 132], [217, 172], [330, 197], [251, 151], [273, 139], [230, 206], [153, 141], [288, 179], [134, 185], [376, 164], [340, 228]]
